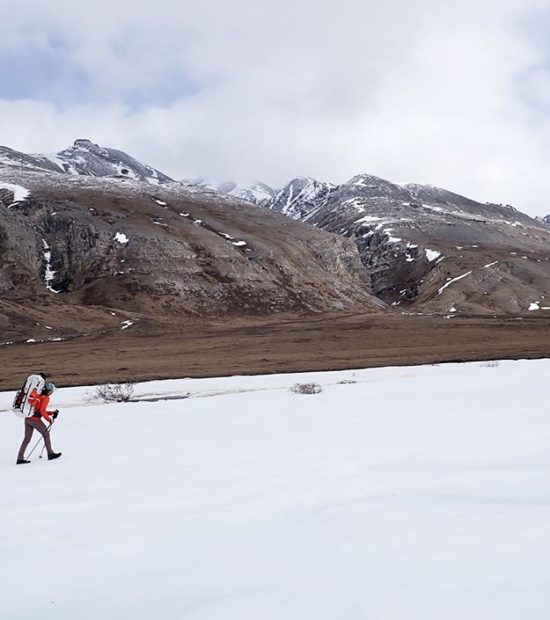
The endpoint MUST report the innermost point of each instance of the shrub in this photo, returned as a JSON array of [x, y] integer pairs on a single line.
[[306, 388], [113, 392], [346, 381], [490, 364]]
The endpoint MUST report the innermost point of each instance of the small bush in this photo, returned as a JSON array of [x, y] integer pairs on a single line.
[[306, 388], [113, 392], [490, 364], [346, 381]]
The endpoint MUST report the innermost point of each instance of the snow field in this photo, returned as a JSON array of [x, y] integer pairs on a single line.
[[414, 493]]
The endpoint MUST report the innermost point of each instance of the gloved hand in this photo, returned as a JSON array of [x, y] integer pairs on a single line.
[[55, 414]]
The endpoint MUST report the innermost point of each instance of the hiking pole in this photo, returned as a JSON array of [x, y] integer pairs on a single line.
[[41, 438], [47, 431], [44, 446]]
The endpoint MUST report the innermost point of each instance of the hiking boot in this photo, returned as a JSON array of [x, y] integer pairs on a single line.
[[54, 455], [22, 461]]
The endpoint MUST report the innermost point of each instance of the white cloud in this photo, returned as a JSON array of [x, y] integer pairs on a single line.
[[453, 94]]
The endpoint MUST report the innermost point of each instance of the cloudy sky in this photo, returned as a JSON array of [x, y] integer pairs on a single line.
[[455, 94]]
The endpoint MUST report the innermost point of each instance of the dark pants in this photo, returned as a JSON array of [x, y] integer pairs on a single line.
[[32, 424]]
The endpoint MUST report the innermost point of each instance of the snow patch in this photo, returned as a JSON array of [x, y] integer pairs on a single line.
[[49, 273], [452, 281], [436, 209], [19, 192], [121, 238], [431, 255], [368, 219]]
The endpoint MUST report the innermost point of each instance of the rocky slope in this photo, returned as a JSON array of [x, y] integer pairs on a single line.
[[81, 253], [430, 250]]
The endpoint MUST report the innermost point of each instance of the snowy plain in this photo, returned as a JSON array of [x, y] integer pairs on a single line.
[[414, 493]]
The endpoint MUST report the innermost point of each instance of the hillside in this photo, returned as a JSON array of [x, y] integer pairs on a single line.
[[81, 254], [429, 250]]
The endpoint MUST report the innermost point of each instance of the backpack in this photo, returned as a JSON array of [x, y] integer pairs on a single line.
[[23, 401]]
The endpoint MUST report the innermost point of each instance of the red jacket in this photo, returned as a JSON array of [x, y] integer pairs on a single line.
[[40, 404]]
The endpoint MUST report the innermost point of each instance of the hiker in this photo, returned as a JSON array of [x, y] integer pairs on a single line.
[[39, 401]]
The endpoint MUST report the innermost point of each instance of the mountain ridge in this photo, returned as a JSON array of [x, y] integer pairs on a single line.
[[422, 249]]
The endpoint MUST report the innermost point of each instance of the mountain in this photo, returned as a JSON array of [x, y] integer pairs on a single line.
[[427, 249], [412, 248], [257, 193], [301, 198], [85, 158], [82, 254]]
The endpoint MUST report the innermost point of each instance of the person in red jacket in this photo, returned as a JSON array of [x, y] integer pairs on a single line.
[[40, 405]]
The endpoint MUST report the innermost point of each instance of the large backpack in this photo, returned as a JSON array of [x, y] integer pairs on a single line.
[[22, 404]]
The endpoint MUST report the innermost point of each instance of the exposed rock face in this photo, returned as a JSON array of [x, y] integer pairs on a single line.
[[146, 252], [416, 241]]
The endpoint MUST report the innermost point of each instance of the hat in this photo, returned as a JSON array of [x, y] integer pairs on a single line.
[[49, 387]]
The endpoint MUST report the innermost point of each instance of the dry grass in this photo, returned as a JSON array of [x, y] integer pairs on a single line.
[[251, 347]]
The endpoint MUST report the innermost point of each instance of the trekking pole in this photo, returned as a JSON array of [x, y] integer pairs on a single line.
[[42, 451], [44, 446], [41, 438]]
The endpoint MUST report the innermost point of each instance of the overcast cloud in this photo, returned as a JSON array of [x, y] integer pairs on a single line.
[[430, 91]]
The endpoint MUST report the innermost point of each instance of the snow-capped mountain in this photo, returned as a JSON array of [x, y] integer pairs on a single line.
[[421, 248], [302, 198], [208, 185], [416, 240], [86, 158], [257, 193]]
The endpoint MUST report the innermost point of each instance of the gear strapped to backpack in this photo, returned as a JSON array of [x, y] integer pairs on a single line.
[[23, 404]]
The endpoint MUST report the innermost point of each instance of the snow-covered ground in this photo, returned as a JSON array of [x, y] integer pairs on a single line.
[[414, 493]]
